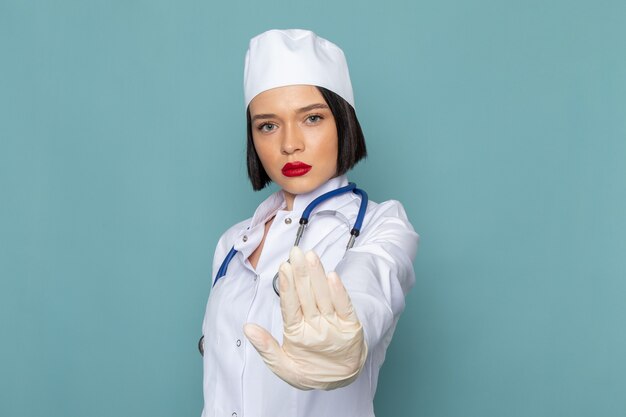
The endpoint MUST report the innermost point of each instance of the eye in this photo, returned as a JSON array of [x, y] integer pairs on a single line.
[[314, 118], [266, 127]]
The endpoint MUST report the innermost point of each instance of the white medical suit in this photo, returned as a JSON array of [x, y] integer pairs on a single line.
[[377, 273]]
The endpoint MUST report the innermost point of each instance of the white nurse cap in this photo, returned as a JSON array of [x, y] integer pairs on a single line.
[[277, 58]]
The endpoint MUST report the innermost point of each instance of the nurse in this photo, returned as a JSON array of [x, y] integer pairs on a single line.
[[317, 349]]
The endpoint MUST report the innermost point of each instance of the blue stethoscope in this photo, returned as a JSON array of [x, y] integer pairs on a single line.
[[304, 220]]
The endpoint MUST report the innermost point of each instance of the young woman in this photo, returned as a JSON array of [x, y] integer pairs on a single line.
[[282, 334]]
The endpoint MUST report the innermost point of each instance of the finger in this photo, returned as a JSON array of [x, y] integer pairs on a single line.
[[272, 354], [319, 283], [264, 343], [341, 299], [289, 301], [303, 284]]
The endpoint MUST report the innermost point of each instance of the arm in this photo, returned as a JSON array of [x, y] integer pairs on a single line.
[[378, 272]]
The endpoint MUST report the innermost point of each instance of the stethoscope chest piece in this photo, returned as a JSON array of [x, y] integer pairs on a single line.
[[201, 345], [275, 284]]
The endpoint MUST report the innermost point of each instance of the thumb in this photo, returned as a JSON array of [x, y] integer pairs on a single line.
[[272, 353], [264, 343]]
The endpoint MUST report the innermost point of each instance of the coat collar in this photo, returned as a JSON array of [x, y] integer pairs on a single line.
[[276, 201], [250, 237]]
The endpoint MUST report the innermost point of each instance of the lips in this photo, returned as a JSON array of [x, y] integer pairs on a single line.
[[295, 169]]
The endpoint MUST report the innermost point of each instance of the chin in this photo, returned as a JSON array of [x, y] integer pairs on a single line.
[[300, 186]]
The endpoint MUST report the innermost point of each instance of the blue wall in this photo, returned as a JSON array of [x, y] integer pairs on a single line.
[[501, 126]]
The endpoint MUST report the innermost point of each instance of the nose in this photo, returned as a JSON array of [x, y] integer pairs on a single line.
[[293, 140]]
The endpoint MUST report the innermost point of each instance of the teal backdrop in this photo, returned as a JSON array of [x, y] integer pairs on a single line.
[[500, 125]]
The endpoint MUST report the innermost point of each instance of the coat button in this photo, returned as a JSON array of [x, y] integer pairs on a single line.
[[238, 342], [287, 220], [244, 238]]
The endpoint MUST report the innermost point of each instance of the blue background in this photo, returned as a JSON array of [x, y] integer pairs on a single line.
[[500, 125]]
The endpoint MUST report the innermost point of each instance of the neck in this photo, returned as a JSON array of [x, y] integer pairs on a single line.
[[289, 198]]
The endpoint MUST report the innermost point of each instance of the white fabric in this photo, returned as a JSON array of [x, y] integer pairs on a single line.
[[277, 58], [377, 273]]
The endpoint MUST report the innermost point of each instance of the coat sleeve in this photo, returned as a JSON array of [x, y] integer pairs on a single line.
[[378, 273]]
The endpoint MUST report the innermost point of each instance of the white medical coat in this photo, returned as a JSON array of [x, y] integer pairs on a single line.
[[377, 273]]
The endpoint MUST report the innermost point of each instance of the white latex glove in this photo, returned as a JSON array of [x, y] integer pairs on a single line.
[[323, 342]]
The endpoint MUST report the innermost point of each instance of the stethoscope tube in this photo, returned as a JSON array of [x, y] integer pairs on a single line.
[[304, 221]]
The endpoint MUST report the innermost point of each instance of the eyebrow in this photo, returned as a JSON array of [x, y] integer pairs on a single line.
[[300, 110]]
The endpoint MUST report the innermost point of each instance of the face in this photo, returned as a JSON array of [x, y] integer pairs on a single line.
[[295, 136]]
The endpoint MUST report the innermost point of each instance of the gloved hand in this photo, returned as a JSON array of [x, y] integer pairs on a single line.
[[323, 342]]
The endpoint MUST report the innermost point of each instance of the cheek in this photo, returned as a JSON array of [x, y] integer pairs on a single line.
[[267, 156], [333, 160], [261, 151], [330, 150]]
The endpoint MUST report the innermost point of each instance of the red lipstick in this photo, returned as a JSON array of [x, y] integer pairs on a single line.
[[295, 169]]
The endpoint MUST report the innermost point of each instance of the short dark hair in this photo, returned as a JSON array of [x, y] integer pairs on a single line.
[[351, 146]]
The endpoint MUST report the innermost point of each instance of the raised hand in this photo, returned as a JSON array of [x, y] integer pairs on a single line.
[[323, 342]]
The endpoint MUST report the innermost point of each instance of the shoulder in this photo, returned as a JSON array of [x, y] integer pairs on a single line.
[[387, 223], [386, 209], [226, 241], [231, 234], [387, 213]]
